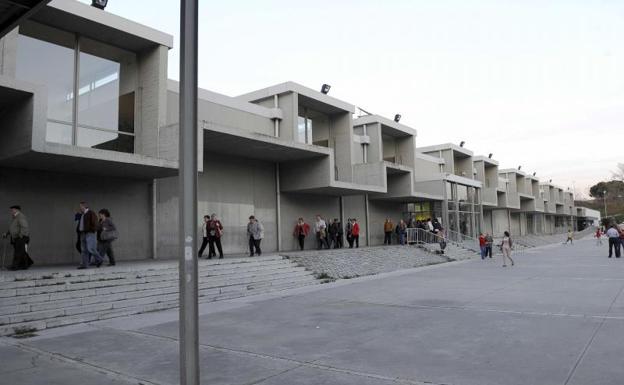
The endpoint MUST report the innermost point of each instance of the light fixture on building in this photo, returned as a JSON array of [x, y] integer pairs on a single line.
[[100, 4], [519, 167], [534, 173], [490, 156], [397, 117], [550, 181], [325, 89], [461, 144]]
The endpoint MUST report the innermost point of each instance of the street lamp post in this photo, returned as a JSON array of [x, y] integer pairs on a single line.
[[188, 318], [604, 199]]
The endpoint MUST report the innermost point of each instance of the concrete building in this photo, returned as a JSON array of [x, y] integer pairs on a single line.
[[88, 114]]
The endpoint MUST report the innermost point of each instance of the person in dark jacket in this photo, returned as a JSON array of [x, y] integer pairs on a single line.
[[107, 233], [88, 226], [215, 231], [339, 234], [19, 234]]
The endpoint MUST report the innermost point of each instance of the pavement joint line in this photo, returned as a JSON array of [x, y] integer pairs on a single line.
[[79, 364], [591, 339], [299, 363], [474, 309]]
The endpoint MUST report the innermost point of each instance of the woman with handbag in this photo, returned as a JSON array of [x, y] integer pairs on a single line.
[[215, 231], [107, 233]]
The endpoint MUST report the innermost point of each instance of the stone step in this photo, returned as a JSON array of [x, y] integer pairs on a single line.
[[78, 276], [114, 281], [79, 298], [143, 306]]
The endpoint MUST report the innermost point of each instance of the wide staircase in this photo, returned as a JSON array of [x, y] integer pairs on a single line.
[[49, 297]]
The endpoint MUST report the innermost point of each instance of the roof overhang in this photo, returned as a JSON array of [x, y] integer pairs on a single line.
[[251, 145], [459, 152], [388, 126], [311, 98], [14, 12], [77, 17], [489, 162]]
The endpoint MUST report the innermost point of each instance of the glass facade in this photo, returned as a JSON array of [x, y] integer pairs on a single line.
[[464, 209], [103, 78], [57, 75]]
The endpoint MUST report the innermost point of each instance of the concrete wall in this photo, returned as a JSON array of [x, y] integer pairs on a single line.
[[379, 211], [8, 53], [515, 227], [307, 206], [16, 122], [49, 200], [354, 207], [487, 222], [500, 222], [233, 188]]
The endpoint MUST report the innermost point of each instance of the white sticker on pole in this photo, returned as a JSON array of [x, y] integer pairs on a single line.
[[188, 253]]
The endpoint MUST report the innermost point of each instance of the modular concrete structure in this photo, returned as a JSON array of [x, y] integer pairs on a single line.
[[99, 123]]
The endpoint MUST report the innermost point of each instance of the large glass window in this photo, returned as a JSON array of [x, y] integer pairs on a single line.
[[52, 65], [104, 83], [304, 130]]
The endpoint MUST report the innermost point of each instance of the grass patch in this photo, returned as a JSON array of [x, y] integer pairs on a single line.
[[24, 331], [323, 275]]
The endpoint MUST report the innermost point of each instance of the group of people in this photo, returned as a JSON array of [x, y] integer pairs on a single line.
[[486, 242], [95, 236], [328, 235], [615, 234]]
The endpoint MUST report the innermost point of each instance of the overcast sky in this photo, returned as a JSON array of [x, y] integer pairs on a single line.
[[538, 83]]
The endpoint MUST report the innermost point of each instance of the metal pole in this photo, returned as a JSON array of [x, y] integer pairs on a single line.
[[189, 336]]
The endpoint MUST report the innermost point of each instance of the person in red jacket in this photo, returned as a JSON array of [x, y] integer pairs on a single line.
[[301, 231], [482, 245], [355, 232]]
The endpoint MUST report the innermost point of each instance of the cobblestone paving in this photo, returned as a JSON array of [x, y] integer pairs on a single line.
[[350, 263]]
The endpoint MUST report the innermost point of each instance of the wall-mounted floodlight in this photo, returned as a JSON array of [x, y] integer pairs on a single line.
[[534, 173], [550, 181], [397, 117], [325, 89], [461, 144], [100, 4], [519, 167], [490, 156]]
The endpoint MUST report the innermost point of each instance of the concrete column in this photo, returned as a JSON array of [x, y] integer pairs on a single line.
[[278, 198], [154, 191], [366, 219]]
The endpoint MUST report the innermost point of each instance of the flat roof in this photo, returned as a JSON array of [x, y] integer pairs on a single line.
[[400, 129], [77, 17], [485, 159], [309, 93], [446, 146], [512, 170]]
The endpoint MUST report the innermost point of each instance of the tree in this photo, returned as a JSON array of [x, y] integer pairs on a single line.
[[614, 188], [619, 173]]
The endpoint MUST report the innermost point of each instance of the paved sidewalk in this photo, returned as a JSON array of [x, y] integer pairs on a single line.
[[557, 317]]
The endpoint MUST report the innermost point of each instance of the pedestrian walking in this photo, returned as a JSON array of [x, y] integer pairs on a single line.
[[355, 233], [349, 232], [614, 241], [320, 229], [489, 242], [204, 236], [88, 226], [215, 231], [301, 231], [19, 236], [505, 246], [388, 228], [255, 233], [482, 245], [598, 237], [335, 229], [570, 237], [401, 230], [106, 235], [339, 233]]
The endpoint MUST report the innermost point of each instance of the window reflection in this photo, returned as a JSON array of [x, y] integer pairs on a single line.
[[58, 77], [106, 83]]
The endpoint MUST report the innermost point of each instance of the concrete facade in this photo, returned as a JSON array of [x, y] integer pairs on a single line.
[[278, 153]]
